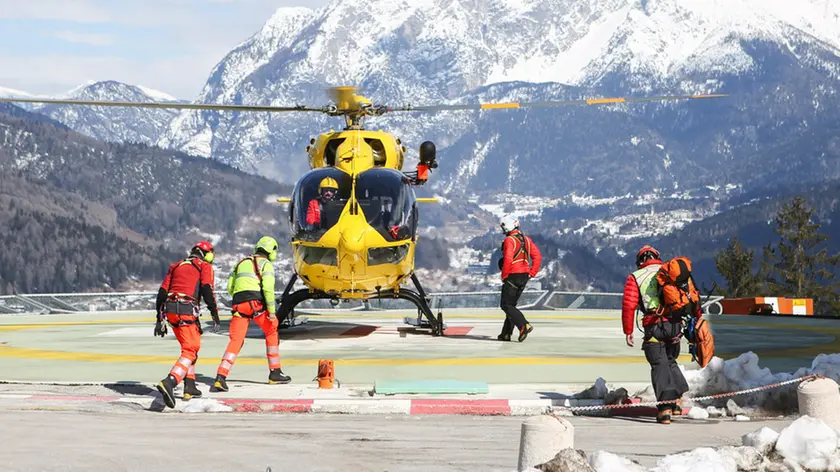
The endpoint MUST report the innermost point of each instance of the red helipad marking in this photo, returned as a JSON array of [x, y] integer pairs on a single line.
[[460, 407], [360, 331], [457, 331], [269, 406]]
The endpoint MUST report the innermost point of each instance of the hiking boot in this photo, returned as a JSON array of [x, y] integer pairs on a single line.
[[276, 376], [664, 417], [524, 333], [219, 385], [190, 390], [166, 387], [677, 408]]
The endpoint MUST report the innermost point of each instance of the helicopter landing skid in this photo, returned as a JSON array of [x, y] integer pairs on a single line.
[[435, 324], [290, 300], [292, 320]]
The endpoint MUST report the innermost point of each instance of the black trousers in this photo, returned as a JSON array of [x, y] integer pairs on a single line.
[[661, 353], [512, 289]]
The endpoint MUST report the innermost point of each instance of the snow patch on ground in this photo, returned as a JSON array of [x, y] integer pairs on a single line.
[[764, 439], [704, 459], [810, 443], [806, 444], [603, 461], [743, 372], [698, 413], [205, 405]]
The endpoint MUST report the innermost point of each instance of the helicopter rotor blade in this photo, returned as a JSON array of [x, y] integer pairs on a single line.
[[547, 104], [178, 106]]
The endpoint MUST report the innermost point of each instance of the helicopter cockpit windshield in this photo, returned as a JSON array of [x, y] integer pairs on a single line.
[[388, 203], [317, 203]]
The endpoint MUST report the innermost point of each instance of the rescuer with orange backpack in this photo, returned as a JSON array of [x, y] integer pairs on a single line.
[[649, 290], [520, 262], [178, 304]]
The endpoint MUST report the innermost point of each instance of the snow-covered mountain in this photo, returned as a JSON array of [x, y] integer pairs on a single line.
[[113, 124], [779, 62]]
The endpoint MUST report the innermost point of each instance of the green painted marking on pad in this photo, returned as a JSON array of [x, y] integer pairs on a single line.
[[429, 387]]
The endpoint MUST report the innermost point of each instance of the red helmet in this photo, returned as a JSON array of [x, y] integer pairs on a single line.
[[646, 253], [205, 250]]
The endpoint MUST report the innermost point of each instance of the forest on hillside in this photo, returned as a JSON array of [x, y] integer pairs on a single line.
[[77, 214]]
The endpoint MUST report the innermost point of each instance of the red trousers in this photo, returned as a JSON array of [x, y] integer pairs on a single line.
[[190, 340], [243, 313]]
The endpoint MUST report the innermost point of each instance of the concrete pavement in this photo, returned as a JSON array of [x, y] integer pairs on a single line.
[[569, 347], [122, 439]]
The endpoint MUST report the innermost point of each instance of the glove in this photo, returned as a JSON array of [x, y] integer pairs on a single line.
[[160, 327], [215, 317], [198, 325]]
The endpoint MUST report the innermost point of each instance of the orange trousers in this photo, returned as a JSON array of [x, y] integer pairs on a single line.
[[239, 328], [190, 340]]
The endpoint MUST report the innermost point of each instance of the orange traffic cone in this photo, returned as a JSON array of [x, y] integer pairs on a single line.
[[326, 373]]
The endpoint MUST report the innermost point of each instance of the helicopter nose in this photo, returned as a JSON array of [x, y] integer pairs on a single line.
[[352, 240]]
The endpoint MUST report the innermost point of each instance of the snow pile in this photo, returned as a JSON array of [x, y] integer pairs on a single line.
[[807, 444], [603, 461], [704, 459], [764, 440], [811, 443], [743, 372], [698, 413]]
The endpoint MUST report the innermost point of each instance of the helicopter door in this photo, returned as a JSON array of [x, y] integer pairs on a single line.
[[386, 199]]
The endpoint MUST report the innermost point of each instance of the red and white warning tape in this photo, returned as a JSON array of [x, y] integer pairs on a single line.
[[692, 399]]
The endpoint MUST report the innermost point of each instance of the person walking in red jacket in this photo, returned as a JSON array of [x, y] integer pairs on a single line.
[[186, 282], [661, 342], [517, 250]]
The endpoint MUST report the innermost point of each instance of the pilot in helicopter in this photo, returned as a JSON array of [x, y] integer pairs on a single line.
[[328, 188]]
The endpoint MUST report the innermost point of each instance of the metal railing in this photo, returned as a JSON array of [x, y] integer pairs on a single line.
[[65, 303]]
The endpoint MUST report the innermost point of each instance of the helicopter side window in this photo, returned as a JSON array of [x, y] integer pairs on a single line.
[[319, 198], [388, 203], [331, 150], [378, 150]]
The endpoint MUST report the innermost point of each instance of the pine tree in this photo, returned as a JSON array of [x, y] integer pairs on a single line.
[[735, 264], [798, 267]]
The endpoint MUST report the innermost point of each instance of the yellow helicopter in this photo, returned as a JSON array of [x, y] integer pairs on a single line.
[[354, 214]]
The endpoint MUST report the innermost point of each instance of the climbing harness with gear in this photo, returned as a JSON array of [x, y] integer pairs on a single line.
[[255, 309], [182, 304]]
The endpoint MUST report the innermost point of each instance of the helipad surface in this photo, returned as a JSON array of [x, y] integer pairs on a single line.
[[565, 347]]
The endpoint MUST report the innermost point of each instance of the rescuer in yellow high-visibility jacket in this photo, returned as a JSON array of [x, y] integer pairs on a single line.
[[251, 284]]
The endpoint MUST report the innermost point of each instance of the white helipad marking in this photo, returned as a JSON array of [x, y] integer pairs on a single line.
[[131, 332], [378, 406]]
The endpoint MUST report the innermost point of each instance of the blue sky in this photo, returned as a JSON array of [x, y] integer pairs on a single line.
[[51, 46]]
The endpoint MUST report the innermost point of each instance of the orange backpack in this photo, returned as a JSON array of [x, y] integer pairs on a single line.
[[677, 293], [701, 342]]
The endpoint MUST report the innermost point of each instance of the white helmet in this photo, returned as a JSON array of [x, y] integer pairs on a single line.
[[509, 223]]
